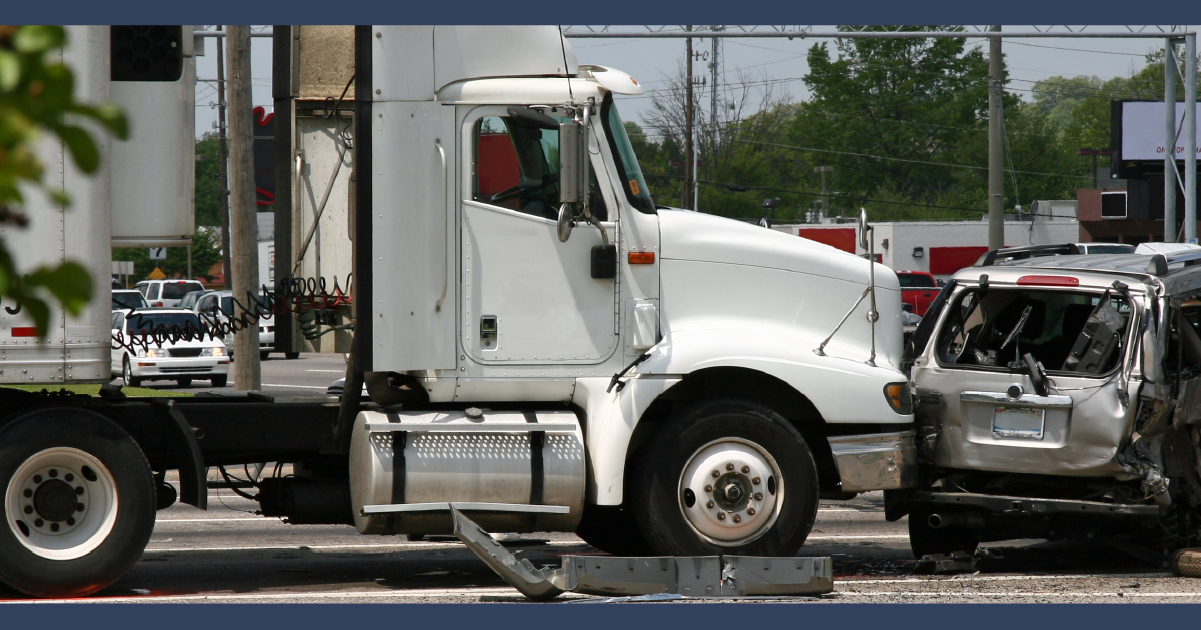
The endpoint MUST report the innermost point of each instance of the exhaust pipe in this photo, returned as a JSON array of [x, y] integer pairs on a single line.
[[970, 520]]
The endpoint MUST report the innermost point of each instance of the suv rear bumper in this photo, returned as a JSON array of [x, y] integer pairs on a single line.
[[881, 461]]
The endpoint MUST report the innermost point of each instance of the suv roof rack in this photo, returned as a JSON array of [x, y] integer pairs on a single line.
[[1030, 251]]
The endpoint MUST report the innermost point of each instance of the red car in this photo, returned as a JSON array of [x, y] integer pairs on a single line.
[[918, 289]]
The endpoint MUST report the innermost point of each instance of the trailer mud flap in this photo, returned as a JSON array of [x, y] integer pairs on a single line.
[[703, 576], [193, 479]]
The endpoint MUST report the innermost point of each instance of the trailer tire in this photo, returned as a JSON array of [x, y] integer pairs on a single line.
[[612, 529], [925, 540], [127, 374], [49, 458], [762, 501]]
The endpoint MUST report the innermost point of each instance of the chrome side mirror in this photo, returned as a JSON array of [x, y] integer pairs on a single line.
[[565, 222], [864, 228]]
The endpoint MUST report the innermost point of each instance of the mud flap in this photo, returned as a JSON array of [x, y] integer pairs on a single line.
[[704, 576]]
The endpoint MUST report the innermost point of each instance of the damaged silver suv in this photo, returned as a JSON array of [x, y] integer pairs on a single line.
[[1058, 399]]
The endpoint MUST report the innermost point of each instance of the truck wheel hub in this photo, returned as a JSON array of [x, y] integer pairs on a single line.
[[731, 477], [61, 503]]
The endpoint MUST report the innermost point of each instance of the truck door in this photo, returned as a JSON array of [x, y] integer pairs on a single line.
[[527, 297]]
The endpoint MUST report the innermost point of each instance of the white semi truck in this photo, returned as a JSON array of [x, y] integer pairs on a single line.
[[545, 348]]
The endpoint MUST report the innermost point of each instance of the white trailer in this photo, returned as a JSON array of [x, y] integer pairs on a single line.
[[545, 348]]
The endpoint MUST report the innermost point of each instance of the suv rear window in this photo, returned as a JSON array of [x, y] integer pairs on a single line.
[[176, 290], [916, 281], [1066, 331]]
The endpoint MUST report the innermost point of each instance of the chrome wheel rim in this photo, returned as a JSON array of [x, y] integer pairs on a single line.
[[61, 503], [730, 491]]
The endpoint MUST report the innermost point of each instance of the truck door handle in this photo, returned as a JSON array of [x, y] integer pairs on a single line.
[[445, 247]]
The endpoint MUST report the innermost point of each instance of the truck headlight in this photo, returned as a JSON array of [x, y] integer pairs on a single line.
[[899, 398], [216, 351]]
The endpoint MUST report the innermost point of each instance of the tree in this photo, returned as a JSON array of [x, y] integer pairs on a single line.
[[206, 252], [208, 181], [37, 96]]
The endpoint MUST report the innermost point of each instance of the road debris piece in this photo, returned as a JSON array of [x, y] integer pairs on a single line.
[[946, 563], [700, 576]]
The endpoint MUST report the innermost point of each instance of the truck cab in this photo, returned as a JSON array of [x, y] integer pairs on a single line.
[[511, 258], [1056, 401]]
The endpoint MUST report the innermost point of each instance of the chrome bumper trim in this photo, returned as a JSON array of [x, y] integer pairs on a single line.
[[881, 461]]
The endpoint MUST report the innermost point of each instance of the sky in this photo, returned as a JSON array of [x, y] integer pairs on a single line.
[[652, 61]]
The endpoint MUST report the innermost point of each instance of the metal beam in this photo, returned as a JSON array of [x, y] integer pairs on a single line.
[[1190, 138], [1169, 154]]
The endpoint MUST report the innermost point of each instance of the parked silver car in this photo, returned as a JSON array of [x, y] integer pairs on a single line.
[[1059, 397]]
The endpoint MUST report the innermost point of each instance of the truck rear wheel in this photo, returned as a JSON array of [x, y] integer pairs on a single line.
[[726, 477], [79, 503]]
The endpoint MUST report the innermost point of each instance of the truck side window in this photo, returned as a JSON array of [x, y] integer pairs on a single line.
[[517, 167]]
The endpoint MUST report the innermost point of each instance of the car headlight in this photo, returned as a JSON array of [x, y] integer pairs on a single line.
[[156, 352], [213, 352], [141, 352]]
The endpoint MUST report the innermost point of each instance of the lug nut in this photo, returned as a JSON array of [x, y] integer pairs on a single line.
[[750, 511], [37, 479], [758, 496], [715, 474], [709, 505], [729, 466], [746, 469], [721, 516], [755, 480], [708, 488], [737, 518]]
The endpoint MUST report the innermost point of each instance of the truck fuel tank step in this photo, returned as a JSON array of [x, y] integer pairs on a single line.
[[702, 576], [463, 506]]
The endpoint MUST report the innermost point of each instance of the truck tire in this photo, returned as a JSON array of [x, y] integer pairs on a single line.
[[725, 476], [612, 529], [220, 381], [127, 374], [925, 540], [79, 502]]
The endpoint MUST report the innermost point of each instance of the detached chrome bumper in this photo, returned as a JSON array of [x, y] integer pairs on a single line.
[[881, 461]]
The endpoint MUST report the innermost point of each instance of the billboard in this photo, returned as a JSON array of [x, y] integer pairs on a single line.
[[1137, 136]]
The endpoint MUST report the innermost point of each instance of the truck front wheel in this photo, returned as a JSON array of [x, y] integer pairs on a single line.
[[79, 503], [726, 477]]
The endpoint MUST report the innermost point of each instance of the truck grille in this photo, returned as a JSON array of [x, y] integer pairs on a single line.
[[185, 352]]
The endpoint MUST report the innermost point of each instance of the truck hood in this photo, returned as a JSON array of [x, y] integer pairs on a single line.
[[701, 237]]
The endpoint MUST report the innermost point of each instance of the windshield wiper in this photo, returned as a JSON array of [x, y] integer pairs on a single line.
[[1016, 364]]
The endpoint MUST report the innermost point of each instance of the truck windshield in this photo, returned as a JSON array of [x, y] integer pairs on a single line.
[[627, 163], [1065, 331]]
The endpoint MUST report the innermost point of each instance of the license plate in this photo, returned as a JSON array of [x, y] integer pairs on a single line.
[[1018, 422]]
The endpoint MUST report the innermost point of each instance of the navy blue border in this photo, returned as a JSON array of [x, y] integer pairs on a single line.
[[662, 616], [1111, 12]]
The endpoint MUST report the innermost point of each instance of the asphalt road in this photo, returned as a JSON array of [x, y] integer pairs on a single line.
[[310, 374], [227, 554]]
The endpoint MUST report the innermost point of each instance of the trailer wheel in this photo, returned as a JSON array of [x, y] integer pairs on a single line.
[[79, 502], [726, 477], [925, 539], [127, 374], [220, 381]]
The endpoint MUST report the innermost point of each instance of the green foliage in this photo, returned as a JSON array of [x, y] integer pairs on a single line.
[[206, 252], [37, 96], [208, 181]]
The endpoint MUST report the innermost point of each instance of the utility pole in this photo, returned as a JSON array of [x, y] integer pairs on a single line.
[[244, 242], [689, 162], [996, 174], [222, 165], [825, 191], [714, 74], [1169, 154]]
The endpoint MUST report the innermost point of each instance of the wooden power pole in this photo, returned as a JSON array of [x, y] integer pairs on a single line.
[[689, 161], [244, 247], [996, 147], [223, 165]]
